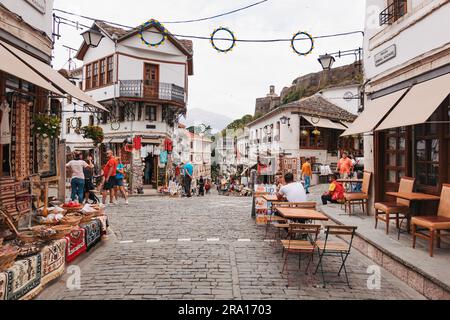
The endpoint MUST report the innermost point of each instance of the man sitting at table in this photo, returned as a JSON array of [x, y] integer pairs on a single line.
[[292, 191], [335, 192]]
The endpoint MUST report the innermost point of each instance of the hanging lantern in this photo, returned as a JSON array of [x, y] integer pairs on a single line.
[[316, 132]]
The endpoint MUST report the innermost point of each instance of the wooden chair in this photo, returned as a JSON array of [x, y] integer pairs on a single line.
[[385, 211], [359, 198], [299, 230], [434, 224], [332, 248], [282, 223]]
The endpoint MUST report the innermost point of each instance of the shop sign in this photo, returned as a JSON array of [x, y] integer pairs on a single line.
[[384, 56], [39, 5]]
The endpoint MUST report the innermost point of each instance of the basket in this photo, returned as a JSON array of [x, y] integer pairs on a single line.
[[28, 250], [72, 209], [72, 219], [87, 217], [28, 236], [8, 255], [60, 231]]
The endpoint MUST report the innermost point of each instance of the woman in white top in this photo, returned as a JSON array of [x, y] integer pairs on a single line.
[[76, 167]]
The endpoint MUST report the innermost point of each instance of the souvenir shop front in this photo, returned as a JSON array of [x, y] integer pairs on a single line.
[[38, 234]]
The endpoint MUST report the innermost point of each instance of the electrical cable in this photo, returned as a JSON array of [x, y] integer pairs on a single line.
[[218, 15], [171, 22]]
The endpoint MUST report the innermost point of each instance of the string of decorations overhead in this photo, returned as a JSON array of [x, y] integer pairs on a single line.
[[161, 30]]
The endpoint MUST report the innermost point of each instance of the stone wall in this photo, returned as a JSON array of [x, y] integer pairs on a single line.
[[312, 83]]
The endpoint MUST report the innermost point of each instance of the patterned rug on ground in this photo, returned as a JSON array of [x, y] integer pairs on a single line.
[[93, 231], [23, 280], [76, 244], [53, 260]]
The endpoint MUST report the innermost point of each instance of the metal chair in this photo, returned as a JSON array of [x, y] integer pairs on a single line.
[[336, 248], [282, 223], [292, 245]]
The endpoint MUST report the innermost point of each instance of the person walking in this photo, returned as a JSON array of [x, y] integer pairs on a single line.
[[109, 171], [188, 171], [88, 176], [76, 167], [120, 176], [307, 174], [345, 166]]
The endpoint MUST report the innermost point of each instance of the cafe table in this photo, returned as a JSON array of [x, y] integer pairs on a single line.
[[414, 197], [301, 214], [270, 197]]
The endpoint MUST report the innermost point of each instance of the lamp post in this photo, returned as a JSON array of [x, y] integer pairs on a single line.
[[92, 37], [327, 60]]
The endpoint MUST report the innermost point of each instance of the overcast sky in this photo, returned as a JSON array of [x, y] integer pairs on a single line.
[[230, 83]]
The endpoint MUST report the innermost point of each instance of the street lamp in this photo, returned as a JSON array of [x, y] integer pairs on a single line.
[[285, 120], [327, 61], [92, 37]]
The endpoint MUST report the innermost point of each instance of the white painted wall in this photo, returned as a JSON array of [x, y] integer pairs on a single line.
[[336, 96], [424, 28], [35, 18], [133, 69]]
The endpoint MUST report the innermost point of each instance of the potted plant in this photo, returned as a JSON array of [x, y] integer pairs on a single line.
[[95, 133], [46, 126]]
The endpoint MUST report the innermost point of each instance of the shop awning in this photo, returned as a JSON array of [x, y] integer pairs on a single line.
[[326, 123], [12, 65], [346, 124], [53, 76], [374, 111], [419, 104]]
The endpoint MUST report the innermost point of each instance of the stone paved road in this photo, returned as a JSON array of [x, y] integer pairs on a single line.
[[205, 248]]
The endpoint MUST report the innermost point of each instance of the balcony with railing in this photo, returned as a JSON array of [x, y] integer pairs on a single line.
[[152, 90], [393, 12]]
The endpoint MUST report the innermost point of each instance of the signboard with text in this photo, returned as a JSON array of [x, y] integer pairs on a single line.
[[387, 54]]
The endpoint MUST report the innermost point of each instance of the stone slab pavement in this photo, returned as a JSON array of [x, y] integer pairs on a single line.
[[206, 248]]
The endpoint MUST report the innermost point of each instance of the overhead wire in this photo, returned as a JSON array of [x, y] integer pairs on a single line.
[[172, 22]]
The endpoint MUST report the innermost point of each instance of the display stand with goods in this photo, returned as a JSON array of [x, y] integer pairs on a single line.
[[30, 258]]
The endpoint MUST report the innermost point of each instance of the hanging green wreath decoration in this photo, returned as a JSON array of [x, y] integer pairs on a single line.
[[233, 44], [155, 23], [294, 38]]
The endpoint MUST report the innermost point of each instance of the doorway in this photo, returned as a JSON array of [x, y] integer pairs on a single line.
[[151, 81]]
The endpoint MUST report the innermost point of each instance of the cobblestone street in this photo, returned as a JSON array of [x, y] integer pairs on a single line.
[[205, 248]]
